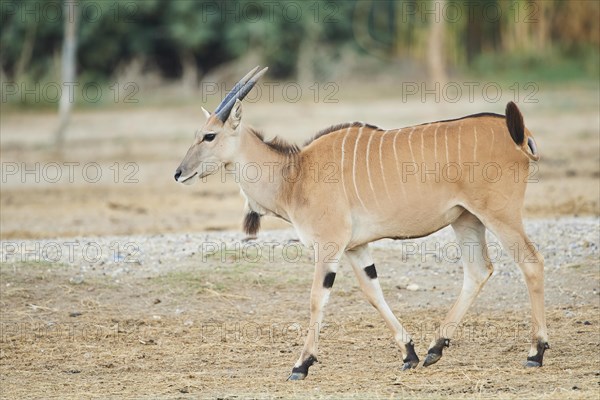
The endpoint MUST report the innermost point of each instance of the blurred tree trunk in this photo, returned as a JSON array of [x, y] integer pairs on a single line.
[[69, 48], [474, 34], [308, 54], [519, 20], [26, 51], [189, 76], [435, 46], [542, 24]]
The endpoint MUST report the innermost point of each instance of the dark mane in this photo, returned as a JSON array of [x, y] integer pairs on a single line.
[[478, 115], [278, 144], [337, 127], [283, 147]]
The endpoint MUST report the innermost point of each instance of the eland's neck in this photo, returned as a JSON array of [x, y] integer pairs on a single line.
[[262, 174]]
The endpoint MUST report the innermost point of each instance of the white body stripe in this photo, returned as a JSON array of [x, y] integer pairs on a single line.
[[354, 166], [401, 182], [475, 145], [342, 162], [459, 148], [387, 192], [435, 143], [369, 168], [446, 140]]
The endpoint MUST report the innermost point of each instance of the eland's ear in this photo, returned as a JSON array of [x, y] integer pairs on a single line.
[[235, 117], [206, 113]]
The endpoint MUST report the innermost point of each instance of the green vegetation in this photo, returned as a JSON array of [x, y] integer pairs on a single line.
[[310, 40]]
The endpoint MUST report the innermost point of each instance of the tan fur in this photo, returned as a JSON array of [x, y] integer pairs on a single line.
[[358, 183]]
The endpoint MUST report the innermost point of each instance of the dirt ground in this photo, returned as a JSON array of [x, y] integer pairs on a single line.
[[192, 328], [209, 328]]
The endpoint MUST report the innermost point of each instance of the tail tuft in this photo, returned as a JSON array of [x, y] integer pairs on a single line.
[[252, 223], [514, 122]]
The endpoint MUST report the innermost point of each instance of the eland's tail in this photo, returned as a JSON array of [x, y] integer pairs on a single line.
[[516, 128]]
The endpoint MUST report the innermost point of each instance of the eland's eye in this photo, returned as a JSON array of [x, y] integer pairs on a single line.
[[209, 137]]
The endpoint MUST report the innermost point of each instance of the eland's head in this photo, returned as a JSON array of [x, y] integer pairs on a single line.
[[216, 143]]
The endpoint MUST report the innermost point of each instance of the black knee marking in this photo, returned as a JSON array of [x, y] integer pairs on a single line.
[[303, 369], [329, 279], [539, 357], [371, 271]]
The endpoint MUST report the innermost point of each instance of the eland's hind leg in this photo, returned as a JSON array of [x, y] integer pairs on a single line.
[[365, 271], [510, 232], [470, 235]]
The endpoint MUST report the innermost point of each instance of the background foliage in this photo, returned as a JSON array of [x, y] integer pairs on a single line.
[[556, 39]]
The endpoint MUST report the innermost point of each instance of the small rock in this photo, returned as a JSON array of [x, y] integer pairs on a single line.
[[413, 287], [403, 281], [587, 323], [72, 371], [569, 314], [76, 280], [117, 272], [156, 301], [74, 314]]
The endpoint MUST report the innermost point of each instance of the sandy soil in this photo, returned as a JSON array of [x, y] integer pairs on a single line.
[[178, 323]]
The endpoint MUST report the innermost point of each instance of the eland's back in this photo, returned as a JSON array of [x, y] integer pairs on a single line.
[[430, 173]]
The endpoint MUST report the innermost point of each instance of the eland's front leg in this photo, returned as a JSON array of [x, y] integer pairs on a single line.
[[326, 265], [365, 272]]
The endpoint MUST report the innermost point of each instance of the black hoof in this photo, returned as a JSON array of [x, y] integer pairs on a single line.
[[532, 364], [299, 373], [435, 353], [538, 359], [410, 365], [296, 376], [411, 361], [431, 359]]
